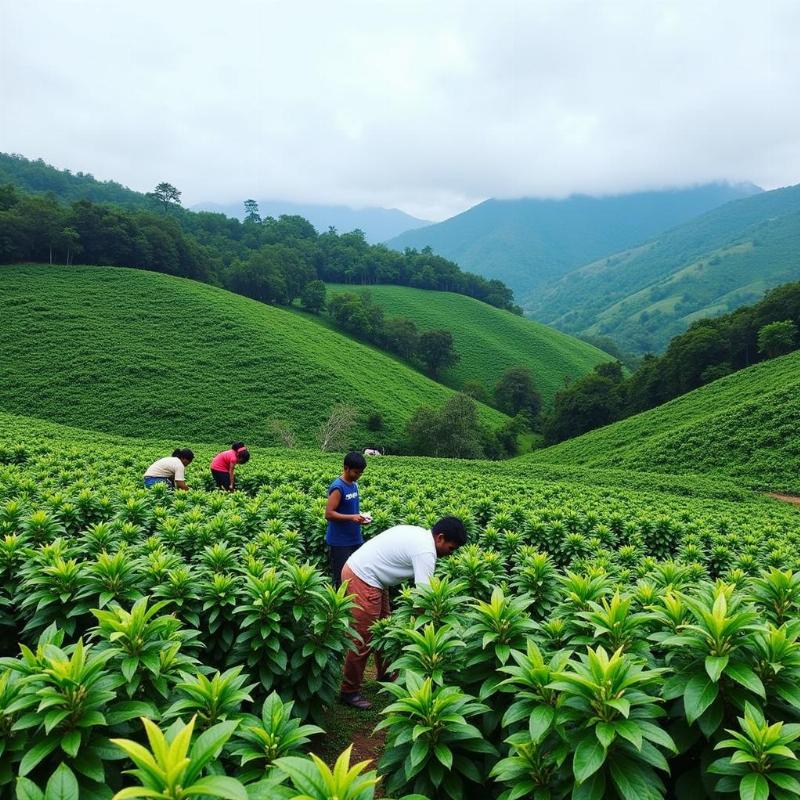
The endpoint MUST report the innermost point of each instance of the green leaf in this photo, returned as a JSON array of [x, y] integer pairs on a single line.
[[207, 746], [28, 790], [785, 781], [632, 780], [444, 755], [745, 676], [71, 743], [754, 787], [606, 732], [419, 752], [540, 721], [303, 774], [218, 786], [628, 729], [592, 789], [38, 752], [589, 757], [715, 666], [700, 693], [62, 785], [129, 709], [128, 667]]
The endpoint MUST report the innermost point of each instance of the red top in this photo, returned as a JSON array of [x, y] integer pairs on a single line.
[[222, 461]]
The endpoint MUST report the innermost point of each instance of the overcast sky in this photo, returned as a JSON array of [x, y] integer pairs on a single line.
[[425, 106]]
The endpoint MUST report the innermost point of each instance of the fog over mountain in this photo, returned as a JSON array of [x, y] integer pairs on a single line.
[[529, 242], [426, 107], [378, 224]]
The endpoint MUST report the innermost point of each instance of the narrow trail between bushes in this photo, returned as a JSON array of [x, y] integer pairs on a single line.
[[785, 498], [346, 726]]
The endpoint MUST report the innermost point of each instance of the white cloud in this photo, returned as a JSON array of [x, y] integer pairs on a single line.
[[425, 106]]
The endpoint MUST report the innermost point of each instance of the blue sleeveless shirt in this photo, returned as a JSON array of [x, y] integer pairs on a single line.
[[340, 533]]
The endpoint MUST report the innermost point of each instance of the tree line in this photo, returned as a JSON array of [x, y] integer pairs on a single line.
[[710, 349], [356, 314], [271, 260]]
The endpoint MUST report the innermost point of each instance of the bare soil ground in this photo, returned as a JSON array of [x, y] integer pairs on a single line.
[[345, 726], [786, 498]]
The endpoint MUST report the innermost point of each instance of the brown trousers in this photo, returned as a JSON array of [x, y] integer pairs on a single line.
[[371, 605]]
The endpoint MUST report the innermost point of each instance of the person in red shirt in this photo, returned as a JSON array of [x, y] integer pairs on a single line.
[[223, 465]]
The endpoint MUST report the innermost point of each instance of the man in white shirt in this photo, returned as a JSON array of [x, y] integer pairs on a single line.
[[396, 555]]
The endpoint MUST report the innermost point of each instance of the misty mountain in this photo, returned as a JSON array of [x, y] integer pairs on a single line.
[[379, 224], [644, 296], [528, 243]]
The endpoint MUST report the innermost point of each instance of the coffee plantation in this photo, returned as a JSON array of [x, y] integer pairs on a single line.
[[604, 634]]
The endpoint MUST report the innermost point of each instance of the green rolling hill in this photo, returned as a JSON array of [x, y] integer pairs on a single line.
[[487, 339], [529, 243], [745, 426], [142, 354], [643, 297]]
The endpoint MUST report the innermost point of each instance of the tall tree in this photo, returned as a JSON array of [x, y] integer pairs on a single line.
[[436, 351], [251, 213], [313, 296], [777, 338], [515, 392], [166, 194]]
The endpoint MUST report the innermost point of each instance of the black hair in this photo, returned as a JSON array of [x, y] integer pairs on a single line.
[[184, 452], [237, 446], [354, 460], [242, 455], [452, 528]]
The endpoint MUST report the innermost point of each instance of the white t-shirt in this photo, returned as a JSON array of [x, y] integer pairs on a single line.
[[394, 556], [170, 467]]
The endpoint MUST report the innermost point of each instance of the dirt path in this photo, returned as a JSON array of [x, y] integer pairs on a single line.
[[786, 498], [346, 726]]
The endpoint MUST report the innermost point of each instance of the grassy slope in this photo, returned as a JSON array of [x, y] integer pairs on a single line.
[[708, 266], [143, 354], [745, 426], [489, 340]]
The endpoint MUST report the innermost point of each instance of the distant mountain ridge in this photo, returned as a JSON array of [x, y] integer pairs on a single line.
[[529, 243], [378, 224], [708, 266]]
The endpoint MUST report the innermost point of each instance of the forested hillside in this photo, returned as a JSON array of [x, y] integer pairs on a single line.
[[40, 177], [45, 216], [709, 350], [140, 354], [744, 426], [488, 340], [643, 297], [529, 243]]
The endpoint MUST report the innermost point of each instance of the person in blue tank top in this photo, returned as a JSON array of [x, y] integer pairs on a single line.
[[345, 519]]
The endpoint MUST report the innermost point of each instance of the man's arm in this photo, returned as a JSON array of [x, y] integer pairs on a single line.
[[182, 485], [231, 468], [334, 498]]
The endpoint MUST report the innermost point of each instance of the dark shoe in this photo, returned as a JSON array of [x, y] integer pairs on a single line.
[[355, 700]]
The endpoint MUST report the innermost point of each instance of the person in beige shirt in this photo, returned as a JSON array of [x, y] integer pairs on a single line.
[[170, 470]]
